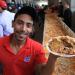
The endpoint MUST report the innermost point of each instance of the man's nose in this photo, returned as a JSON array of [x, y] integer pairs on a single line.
[[24, 27]]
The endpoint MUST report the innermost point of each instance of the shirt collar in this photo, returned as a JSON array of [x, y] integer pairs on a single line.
[[7, 43]]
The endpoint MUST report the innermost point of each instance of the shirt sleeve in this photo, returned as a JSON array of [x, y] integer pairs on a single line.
[[1, 31], [41, 55]]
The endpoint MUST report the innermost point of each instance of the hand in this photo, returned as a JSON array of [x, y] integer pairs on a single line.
[[54, 56]]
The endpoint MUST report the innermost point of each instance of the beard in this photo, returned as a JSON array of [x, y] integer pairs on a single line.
[[21, 35]]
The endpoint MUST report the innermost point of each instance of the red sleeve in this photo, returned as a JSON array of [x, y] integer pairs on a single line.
[[40, 55]]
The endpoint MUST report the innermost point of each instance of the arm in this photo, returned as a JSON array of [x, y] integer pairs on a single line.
[[49, 67], [44, 65], [46, 68], [1, 31]]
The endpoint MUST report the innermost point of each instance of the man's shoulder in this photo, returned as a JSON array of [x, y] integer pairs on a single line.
[[6, 12], [3, 40], [34, 43]]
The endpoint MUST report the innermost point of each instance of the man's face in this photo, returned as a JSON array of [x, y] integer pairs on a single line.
[[23, 26]]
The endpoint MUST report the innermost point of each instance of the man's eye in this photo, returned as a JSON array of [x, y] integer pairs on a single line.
[[19, 22], [29, 25]]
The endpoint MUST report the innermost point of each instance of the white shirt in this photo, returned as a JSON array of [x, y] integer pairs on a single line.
[[6, 18]]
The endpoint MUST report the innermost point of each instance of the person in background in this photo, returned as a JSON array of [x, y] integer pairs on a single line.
[[6, 18], [60, 9], [21, 55], [12, 7], [67, 16], [41, 16]]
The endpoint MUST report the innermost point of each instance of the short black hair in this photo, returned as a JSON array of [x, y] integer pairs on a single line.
[[60, 2], [27, 10]]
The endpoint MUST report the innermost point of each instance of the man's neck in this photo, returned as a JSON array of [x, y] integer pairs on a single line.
[[16, 42]]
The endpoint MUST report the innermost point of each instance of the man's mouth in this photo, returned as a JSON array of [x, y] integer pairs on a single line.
[[23, 33]]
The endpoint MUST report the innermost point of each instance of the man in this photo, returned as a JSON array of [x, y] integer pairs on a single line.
[[21, 55], [6, 18]]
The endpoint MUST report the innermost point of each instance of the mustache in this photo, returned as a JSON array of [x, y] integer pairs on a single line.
[[25, 33]]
